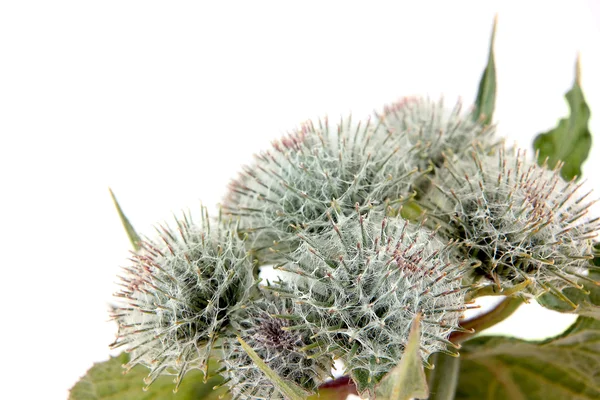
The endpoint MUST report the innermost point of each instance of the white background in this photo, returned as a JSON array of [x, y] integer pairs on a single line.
[[163, 101]]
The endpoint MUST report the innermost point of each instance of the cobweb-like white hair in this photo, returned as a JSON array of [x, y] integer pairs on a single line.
[[428, 130], [525, 224], [316, 169], [178, 295], [360, 285], [292, 354]]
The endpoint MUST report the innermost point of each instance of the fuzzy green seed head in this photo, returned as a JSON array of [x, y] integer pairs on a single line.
[[429, 130], [523, 223], [316, 169], [360, 285], [178, 294], [265, 326]]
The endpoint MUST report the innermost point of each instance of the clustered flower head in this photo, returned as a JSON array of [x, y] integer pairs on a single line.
[[429, 131], [265, 325], [361, 284], [325, 207], [311, 171], [178, 295], [522, 222]]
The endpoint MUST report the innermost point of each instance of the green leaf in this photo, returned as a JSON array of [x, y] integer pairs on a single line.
[[502, 368], [587, 300], [407, 379], [105, 380], [486, 95], [571, 140], [289, 389], [131, 233]]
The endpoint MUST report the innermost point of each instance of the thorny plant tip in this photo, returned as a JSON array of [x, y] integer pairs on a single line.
[[179, 293], [318, 168], [372, 226], [428, 131], [293, 354], [359, 286], [324, 206], [522, 224]]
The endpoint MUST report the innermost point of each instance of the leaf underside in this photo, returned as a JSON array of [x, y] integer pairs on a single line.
[[561, 368]]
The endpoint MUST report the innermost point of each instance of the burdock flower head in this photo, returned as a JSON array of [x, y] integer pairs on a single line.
[[360, 286], [429, 130], [316, 169], [265, 326], [526, 227], [178, 295]]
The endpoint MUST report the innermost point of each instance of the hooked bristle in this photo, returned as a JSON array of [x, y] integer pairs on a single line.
[[524, 223], [364, 282], [313, 172], [429, 131], [265, 325], [178, 294]]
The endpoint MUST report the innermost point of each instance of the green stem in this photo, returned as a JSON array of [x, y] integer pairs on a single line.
[[443, 379], [502, 311]]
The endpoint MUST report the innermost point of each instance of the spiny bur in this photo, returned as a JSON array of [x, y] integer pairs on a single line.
[[313, 170], [527, 228], [428, 130], [178, 294], [359, 286], [293, 355]]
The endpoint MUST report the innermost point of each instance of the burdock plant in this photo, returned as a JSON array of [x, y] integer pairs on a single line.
[[265, 325], [429, 131], [381, 233], [525, 228], [316, 169], [359, 286], [178, 296]]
